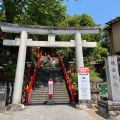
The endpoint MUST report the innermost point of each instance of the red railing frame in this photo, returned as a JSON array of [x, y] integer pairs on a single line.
[[29, 87], [70, 88]]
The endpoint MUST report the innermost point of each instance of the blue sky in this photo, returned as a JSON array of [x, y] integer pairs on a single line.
[[101, 11]]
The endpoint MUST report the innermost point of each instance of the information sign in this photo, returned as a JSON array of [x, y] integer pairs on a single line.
[[84, 83], [103, 90]]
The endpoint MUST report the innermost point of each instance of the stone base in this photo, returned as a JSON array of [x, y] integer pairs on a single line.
[[50, 102], [114, 110], [15, 107], [103, 108], [109, 109], [84, 106], [111, 117], [103, 111]]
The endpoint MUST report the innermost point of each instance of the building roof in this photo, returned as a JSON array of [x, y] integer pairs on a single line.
[[50, 27], [111, 22]]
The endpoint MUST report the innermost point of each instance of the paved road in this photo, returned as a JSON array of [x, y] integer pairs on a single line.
[[47, 112]]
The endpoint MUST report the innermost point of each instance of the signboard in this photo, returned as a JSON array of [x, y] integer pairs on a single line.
[[103, 90], [50, 88], [3, 90], [84, 83], [113, 81]]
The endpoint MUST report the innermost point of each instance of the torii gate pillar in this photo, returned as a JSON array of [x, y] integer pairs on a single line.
[[17, 93], [20, 69], [78, 49]]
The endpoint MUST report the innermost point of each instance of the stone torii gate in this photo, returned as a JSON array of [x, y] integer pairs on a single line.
[[51, 31]]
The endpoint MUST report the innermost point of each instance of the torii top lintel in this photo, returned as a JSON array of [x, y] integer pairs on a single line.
[[44, 30]]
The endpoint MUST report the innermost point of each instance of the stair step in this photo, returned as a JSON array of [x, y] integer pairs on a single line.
[[39, 98]]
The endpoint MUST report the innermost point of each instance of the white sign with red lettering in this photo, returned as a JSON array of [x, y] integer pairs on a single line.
[[50, 87], [84, 83]]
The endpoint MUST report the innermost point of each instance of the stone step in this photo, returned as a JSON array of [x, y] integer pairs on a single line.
[[39, 98], [44, 100], [38, 95], [61, 97], [45, 96], [55, 89]]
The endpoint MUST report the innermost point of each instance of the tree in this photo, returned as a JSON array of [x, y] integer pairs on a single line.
[[100, 53], [13, 8], [104, 39], [45, 12], [33, 11]]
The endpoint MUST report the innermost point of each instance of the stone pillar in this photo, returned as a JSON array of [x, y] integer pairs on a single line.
[[78, 50], [20, 69], [113, 81]]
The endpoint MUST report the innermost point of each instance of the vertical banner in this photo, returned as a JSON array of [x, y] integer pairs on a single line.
[[50, 88], [84, 83]]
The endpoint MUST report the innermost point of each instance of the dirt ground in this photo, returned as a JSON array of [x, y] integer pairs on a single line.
[[94, 112]]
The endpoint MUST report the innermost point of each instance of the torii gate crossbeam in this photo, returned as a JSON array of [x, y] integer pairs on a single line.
[[31, 43]]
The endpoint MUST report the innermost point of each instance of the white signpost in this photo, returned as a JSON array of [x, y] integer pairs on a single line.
[[50, 101], [84, 83], [50, 88]]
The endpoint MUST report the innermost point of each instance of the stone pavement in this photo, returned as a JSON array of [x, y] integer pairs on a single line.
[[48, 112]]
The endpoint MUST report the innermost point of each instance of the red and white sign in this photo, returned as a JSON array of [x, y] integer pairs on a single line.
[[84, 83], [50, 88], [83, 70]]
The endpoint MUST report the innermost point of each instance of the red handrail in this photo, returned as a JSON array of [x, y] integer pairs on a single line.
[[29, 87], [70, 88]]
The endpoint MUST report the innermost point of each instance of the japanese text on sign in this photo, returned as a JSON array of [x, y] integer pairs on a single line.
[[84, 83]]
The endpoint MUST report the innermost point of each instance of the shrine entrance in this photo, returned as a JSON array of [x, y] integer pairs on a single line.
[[51, 32]]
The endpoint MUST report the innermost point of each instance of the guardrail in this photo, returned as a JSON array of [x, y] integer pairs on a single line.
[[29, 87], [70, 88]]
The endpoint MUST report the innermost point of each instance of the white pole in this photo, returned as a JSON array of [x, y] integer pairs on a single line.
[[78, 50], [20, 69]]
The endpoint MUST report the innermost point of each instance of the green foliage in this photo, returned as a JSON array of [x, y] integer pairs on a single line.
[[100, 53], [74, 80], [10, 72], [45, 12], [94, 75], [78, 20], [86, 20], [104, 40], [13, 8]]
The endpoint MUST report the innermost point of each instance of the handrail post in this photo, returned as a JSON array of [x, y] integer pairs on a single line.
[[73, 96], [26, 94]]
